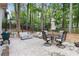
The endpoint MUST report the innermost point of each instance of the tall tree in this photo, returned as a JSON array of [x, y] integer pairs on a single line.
[[17, 13], [78, 17], [63, 16], [42, 17], [70, 20]]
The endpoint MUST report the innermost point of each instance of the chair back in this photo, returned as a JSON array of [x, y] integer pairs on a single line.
[[64, 35], [44, 35]]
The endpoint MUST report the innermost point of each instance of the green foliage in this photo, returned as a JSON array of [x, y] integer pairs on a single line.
[[4, 24], [31, 15], [23, 17]]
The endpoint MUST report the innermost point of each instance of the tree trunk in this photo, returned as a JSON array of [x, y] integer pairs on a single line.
[[63, 17], [42, 18], [17, 13], [27, 15], [78, 17], [70, 21]]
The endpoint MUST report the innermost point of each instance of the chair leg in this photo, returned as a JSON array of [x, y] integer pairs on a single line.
[[52, 39], [47, 41], [59, 44]]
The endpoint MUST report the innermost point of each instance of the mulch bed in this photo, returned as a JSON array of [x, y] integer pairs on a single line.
[[72, 37]]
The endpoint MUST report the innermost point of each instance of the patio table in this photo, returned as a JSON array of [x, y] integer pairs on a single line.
[[53, 35]]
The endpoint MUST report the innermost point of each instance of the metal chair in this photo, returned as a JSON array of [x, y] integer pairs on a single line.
[[61, 38], [45, 37]]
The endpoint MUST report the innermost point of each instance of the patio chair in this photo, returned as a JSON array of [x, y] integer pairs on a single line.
[[45, 37], [61, 38]]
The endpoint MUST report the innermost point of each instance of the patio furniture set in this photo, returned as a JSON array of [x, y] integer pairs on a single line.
[[54, 36]]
